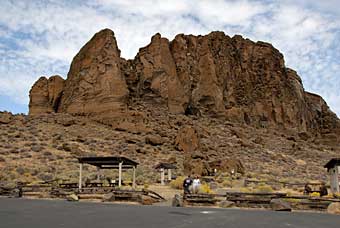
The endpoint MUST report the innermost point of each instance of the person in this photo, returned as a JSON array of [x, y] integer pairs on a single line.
[[196, 183], [323, 190], [307, 190], [186, 184]]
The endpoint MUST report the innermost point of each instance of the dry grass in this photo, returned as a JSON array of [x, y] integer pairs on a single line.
[[178, 183], [263, 189]]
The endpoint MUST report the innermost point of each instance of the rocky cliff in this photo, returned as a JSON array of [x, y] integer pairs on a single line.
[[214, 75], [45, 95]]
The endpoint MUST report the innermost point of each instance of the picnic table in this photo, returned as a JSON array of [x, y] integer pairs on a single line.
[[112, 184], [94, 184], [68, 185]]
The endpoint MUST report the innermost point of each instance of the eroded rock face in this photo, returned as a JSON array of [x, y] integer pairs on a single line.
[[154, 76], [195, 166], [227, 166], [45, 95], [323, 120], [95, 84], [187, 140], [5, 117], [215, 75]]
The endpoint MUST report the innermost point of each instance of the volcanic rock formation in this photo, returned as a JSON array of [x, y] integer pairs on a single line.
[[95, 83], [213, 75], [45, 95]]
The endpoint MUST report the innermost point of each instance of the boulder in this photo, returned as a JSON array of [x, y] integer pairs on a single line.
[[227, 165], [177, 201], [109, 197], [72, 197], [17, 192], [195, 166], [154, 140], [280, 205], [226, 204], [5, 117], [334, 208], [66, 121], [187, 139]]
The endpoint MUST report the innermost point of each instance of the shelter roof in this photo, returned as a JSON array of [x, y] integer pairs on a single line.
[[108, 162], [333, 162], [164, 165]]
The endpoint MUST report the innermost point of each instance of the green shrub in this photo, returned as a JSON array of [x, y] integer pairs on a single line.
[[315, 194], [292, 200], [146, 186], [205, 188], [246, 190]]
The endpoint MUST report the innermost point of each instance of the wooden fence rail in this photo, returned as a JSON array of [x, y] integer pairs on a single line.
[[284, 183]]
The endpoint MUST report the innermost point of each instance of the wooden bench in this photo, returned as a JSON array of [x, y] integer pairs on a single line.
[[200, 199]]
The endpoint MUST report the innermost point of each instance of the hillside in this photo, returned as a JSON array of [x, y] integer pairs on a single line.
[[46, 147]]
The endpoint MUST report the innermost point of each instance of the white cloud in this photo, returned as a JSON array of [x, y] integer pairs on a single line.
[[235, 13], [41, 37], [326, 7]]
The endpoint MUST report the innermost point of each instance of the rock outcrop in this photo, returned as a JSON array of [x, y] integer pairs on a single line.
[[95, 84], [154, 75], [187, 140], [227, 166], [5, 117], [334, 208], [213, 75], [280, 205], [45, 95]]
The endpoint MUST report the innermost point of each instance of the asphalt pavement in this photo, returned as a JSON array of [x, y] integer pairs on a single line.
[[26, 213]]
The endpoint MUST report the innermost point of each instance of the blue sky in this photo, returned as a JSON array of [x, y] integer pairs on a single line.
[[40, 38]]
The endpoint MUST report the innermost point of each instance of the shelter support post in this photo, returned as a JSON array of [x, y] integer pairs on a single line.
[[334, 179], [120, 174], [169, 175], [134, 178], [80, 175], [98, 174], [162, 176]]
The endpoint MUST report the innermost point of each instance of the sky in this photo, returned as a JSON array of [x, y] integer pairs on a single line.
[[40, 38]]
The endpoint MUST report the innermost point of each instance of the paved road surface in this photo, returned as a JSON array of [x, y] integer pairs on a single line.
[[25, 213]]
